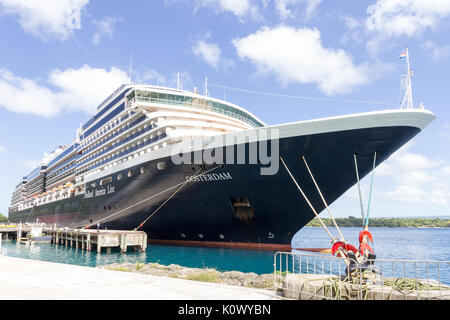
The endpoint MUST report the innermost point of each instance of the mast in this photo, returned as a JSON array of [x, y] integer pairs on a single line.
[[407, 102], [131, 68], [179, 87], [206, 93]]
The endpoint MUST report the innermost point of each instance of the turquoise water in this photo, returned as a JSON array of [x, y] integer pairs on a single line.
[[389, 243]]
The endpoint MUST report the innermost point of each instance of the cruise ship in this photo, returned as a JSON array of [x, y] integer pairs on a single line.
[[143, 162]]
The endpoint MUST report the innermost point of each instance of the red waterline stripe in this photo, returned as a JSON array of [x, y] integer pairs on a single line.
[[233, 245]]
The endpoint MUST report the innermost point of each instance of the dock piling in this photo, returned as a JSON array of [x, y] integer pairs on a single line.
[[85, 239]]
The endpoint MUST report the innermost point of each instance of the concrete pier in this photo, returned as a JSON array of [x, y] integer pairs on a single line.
[[323, 286], [32, 279], [87, 239]]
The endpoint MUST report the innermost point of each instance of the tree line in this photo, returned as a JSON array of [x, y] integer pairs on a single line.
[[3, 218], [384, 222]]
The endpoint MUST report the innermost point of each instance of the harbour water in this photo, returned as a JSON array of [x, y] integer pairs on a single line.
[[389, 243]]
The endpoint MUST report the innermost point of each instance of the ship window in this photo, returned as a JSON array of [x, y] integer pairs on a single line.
[[161, 165], [119, 176], [131, 95], [143, 169], [106, 181], [130, 173]]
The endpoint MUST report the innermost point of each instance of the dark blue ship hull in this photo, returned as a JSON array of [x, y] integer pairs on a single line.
[[206, 212]]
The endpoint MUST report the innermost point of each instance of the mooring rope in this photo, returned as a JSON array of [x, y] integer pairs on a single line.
[[371, 188], [323, 199], [307, 200], [167, 200], [354, 286], [359, 189], [30, 213], [149, 198], [78, 213]]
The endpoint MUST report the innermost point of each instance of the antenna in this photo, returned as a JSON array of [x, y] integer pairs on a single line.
[[405, 84], [179, 87], [206, 87], [131, 67]]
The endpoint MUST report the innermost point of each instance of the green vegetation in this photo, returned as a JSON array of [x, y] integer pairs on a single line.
[[3, 218], [205, 276], [385, 222], [139, 265]]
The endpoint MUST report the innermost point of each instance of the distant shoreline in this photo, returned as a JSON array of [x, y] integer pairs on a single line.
[[384, 222]]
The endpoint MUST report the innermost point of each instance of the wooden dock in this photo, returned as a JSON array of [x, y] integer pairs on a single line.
[[88, 239]]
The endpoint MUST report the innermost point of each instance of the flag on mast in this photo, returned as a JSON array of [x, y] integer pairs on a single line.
[[403, 55]]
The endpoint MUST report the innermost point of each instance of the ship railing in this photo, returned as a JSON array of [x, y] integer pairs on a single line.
[[316, 276], [192, 104]]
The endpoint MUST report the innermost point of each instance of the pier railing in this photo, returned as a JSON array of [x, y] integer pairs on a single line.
[[309, 276]]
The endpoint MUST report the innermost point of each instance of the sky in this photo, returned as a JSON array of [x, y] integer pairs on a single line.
[[60, 58]]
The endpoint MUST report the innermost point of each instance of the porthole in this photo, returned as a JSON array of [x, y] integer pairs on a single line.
[[130, 173], [161, 165], [143, 169], [200, 236], [183, 235], [119, 176]]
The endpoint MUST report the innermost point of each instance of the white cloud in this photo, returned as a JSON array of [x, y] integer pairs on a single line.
[[406, 17], [410, 18], [446, 170], [444, 132], [413, 177], [297, 55], [435, 52], [2, 148], [211, 54], [46, 18], [150, 76], [29, 164], [284, 12], [77, 89], [26, 96], [105, 28], [406, 193], [237, 7], [240, 8], [355, 30], [84, 88]]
